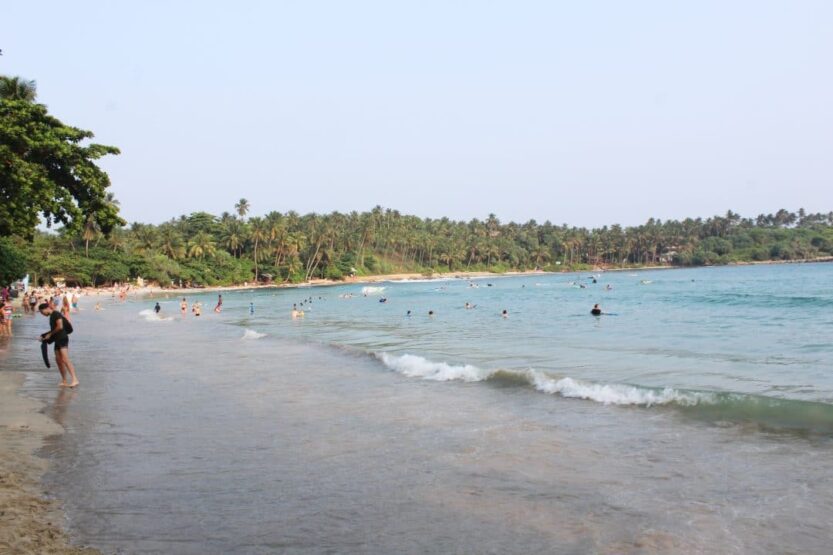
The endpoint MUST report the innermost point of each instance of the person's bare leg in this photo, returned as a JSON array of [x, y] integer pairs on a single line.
[[68, 366], [60, 364]]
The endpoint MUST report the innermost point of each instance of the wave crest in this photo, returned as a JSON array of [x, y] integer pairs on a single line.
[[252, 334], [415, 366]]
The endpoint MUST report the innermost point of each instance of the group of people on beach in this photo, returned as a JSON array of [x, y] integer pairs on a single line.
[[57, 304]]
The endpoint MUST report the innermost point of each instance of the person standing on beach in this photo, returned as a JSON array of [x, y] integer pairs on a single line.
[[3, 318], [58, 333], [66, 308]]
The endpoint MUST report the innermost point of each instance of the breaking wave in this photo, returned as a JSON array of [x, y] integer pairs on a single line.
[[252, 334], [151, 316], [766, 413], [372, 290]]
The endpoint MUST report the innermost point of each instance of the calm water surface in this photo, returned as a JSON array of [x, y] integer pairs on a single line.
[[697, 417]]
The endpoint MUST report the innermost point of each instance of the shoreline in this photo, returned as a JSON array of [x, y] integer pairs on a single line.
[[407, 276], [31, 522]]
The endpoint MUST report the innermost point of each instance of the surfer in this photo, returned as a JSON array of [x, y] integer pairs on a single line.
[[59, 330], [596, 311]]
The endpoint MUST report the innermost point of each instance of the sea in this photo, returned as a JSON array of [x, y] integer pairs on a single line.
[[695, 415]]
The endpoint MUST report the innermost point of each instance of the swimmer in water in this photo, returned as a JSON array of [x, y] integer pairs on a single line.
[[408, 314], [183, 306], [596, 311], [157, 308], [251, 308], [430, 313], [505, 313]]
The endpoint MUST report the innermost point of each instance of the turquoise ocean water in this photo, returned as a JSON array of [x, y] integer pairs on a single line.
[[746, 343]]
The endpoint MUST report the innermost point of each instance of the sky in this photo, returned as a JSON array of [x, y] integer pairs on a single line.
[[586, 113]]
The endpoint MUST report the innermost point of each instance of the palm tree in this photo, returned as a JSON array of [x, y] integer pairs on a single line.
[[233, 235], [89, 233], [171, 243], [17, 88], [259, 232], [145, 237], [202, 245], [242, 207]]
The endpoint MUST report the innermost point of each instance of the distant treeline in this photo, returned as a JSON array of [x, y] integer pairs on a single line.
[[205, 249]]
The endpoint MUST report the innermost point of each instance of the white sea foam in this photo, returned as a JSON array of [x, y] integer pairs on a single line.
[[252, 334], [372, 290], [609, 394], [151, 316], [612, 394], [415, 366]]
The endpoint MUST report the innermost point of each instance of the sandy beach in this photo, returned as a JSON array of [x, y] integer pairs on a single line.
[[29, 521]]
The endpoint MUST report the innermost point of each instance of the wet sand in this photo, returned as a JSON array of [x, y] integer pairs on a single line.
[[29, 521]]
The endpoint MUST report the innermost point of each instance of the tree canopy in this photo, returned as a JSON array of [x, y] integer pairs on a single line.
[[47, 169]]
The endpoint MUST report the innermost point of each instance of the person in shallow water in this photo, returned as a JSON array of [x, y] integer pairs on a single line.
[[58, 334], [157, 308], [219, 306], [596, 311], [505, 313]]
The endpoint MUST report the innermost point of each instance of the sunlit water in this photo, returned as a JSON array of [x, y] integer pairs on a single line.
[[696, 417]]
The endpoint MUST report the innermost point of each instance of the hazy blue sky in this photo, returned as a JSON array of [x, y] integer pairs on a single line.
[[579, 112]]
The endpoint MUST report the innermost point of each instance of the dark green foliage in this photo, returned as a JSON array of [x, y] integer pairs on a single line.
[[202, 249], [47, 172], [13, 261]]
